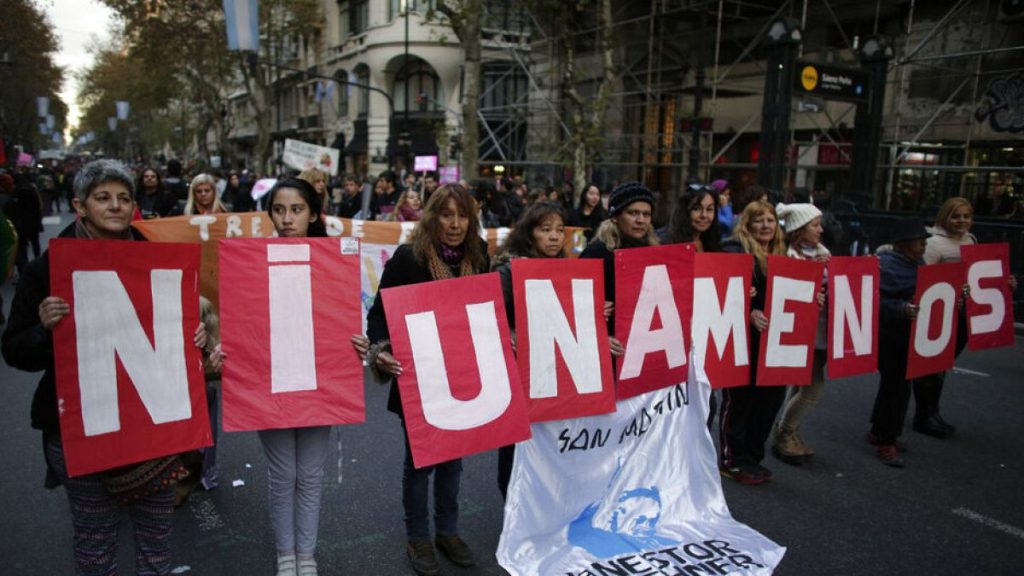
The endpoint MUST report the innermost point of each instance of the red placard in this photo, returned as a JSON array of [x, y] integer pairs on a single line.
[[129, 380], [653, 305], [791, 305], [562, 338], [293, 305], [721, 317], [990, 307], [933, 333], [853, 315], [459, 385]]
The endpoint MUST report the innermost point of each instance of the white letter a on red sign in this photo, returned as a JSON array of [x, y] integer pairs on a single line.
[[440, 408], [106, 326]]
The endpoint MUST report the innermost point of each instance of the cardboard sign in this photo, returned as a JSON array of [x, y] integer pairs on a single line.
[[791, 305], [304, 156], [853, 316], [459, 384], [293, 305], [653, 305], [130, 381], [425, 163], [933, 333], [721, 317], [990, 307], [562, 337]]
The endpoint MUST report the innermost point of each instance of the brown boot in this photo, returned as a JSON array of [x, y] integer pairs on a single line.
[[802, 446], [786, 447]]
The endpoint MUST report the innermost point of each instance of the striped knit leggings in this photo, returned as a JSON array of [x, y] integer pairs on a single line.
[[96, 517]]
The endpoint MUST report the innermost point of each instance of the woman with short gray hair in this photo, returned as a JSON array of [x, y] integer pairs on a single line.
[[104, 203]]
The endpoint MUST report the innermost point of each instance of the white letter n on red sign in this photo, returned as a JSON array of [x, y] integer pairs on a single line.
[[107, 327]]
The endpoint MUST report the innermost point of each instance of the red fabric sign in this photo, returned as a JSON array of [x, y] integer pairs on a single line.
[[933, 333], [853, 315], [990, 307], [129, 380], [791, 305], [721, 317], [292, 304], [459, 385], [653, 305], [562, 338]]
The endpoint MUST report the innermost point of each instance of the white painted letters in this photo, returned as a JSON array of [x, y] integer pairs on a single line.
[[655, 297], [549, 328], [292, 358], [781, 322]]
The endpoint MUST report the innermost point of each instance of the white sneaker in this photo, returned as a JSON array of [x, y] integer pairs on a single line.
[[307, 567], [286, 565]]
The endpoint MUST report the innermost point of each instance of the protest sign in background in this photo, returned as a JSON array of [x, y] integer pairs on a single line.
[[853, 302], [562, 337], [294, 305], [990, 306], [463, 397], [791, 305], [304, 156], [721, 321], [646, 496], [653, 305], [933, 332], [130, 380]]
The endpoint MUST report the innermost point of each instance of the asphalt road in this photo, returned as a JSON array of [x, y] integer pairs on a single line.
[[956, 508]]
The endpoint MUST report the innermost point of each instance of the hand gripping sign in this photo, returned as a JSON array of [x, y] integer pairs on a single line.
[[721, 317], [853, 316], [291, 306], [990, 307], [653, 304], [933, 333], [459, 385], [562, 338], [129, 379], [787, 345]]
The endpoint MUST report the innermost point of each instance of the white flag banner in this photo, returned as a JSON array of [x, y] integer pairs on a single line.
[[303, 156], [632, 492]]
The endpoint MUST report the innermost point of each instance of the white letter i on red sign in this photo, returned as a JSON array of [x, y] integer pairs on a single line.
[[292, 357]]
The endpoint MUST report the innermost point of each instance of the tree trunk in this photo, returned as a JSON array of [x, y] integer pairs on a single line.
[[470, 39]]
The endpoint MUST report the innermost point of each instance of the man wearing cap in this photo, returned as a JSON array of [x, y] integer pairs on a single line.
[[628, 226], [896, 312]]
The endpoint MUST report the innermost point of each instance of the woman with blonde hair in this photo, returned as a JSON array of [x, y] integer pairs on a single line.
[[409, 207], [951, 230], [318, 178], [202, 197], [748, 412]]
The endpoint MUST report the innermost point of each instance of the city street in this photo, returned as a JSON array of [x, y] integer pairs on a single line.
[[956, 507]]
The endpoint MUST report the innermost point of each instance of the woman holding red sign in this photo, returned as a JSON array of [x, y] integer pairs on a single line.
[[104, 202], [296, 456], [748, 412], [803, 238], [950, 231], [443, 245]]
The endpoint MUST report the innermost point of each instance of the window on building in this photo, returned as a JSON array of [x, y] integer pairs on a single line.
[[358, 16], [397, 7], [423, 86], [363, 78], [341, 92]]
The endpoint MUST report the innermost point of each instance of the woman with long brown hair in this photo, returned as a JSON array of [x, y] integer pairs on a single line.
[[443, 245]]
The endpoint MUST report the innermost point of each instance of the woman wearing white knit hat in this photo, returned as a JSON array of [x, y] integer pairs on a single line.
[[802, 223]]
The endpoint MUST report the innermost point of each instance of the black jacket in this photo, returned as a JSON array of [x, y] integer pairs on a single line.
[[27, 345], [401, 270]]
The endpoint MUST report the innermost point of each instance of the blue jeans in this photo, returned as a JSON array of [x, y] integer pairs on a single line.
[[415, 487]]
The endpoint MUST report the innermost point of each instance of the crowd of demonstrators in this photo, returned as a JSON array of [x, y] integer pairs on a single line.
[[444, 244]]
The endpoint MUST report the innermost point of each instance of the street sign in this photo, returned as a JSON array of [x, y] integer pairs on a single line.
[[832, 82]]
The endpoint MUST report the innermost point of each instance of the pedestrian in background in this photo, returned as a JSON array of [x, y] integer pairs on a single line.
[[589, 212]]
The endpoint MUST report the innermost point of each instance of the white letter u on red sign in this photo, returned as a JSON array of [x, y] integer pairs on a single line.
[[441, 409]]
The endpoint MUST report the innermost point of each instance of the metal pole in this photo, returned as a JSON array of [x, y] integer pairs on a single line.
[[899, 116]]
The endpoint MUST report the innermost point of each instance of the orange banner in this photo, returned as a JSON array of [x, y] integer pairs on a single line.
[[207, 229]]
